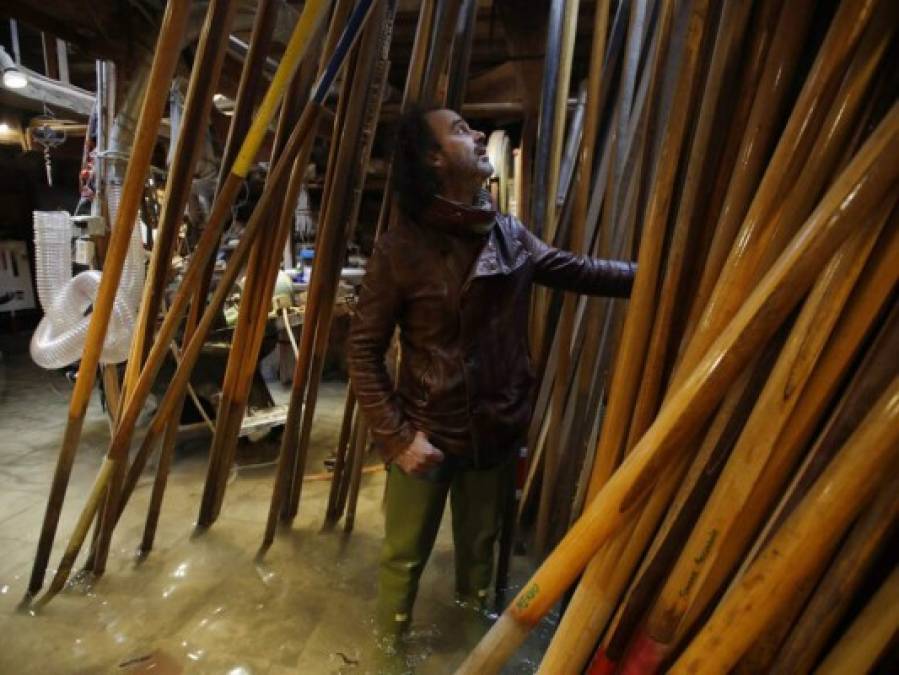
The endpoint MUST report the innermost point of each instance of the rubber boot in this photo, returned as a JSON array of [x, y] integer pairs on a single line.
[[413, 510]]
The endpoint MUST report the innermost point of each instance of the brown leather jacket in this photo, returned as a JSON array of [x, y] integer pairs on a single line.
[[461, 302]]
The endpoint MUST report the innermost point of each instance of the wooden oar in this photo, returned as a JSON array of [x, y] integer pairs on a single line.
[[442, 36], [809, 535], [759, 231], [870, 635], [255, 303], [604, 578], [872, 290], [566, 320], [864, 183], [559, 117], [685, 231], [554, 27], [608, 575], [772, 95], [638, 321], [830, 601], [688, 491], [355, 474], [122, 438], [340, 459], [300, 140], [249, 90], [191, 139], [871, 376], [168, 47], [312, 13], [361, 106], [252, 314], [729, 519], [759, 439], [460, 56]]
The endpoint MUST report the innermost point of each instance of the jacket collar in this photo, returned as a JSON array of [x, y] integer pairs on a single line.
[[456, 218]]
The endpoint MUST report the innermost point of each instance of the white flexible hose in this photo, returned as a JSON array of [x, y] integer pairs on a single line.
[[60, 336]]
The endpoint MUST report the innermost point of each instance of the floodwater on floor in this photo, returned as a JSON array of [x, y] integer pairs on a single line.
[[202, 602]]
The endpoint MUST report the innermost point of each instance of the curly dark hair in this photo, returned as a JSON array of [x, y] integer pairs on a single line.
[[414, 181]]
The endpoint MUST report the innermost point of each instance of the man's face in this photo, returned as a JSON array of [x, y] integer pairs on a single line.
[[462, 153]]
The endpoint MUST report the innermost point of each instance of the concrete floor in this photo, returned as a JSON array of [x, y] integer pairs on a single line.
[[201, 604]]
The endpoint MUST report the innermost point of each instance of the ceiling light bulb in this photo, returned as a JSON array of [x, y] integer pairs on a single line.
[[13, 78], [4, 128]]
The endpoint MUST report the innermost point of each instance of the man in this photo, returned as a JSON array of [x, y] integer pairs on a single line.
[[454, 275]]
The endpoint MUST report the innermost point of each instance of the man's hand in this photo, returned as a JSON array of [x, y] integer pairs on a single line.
[[420, 457]]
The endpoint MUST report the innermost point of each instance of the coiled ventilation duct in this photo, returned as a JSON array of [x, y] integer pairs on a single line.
[[60, 336]]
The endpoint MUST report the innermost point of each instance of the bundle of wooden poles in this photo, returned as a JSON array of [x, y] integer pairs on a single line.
[[717, 460], [713, 462], [327, 35]]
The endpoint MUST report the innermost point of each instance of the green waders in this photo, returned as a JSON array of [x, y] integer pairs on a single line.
[[414, 508]]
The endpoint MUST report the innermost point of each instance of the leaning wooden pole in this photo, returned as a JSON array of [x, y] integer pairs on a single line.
[[188, 148], [332, 515], [295, 144], [205, 248], [197, 106], [870, 635], [808, 536], [168, 47], [807, 640], [638, 320], [360, 139], [362, 111], [771, 97], [578, 225], [262, 270], [865, 182], [347, 39], [248, 93], [122, 438], [586, 615], [760, 230], [730, 517]]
